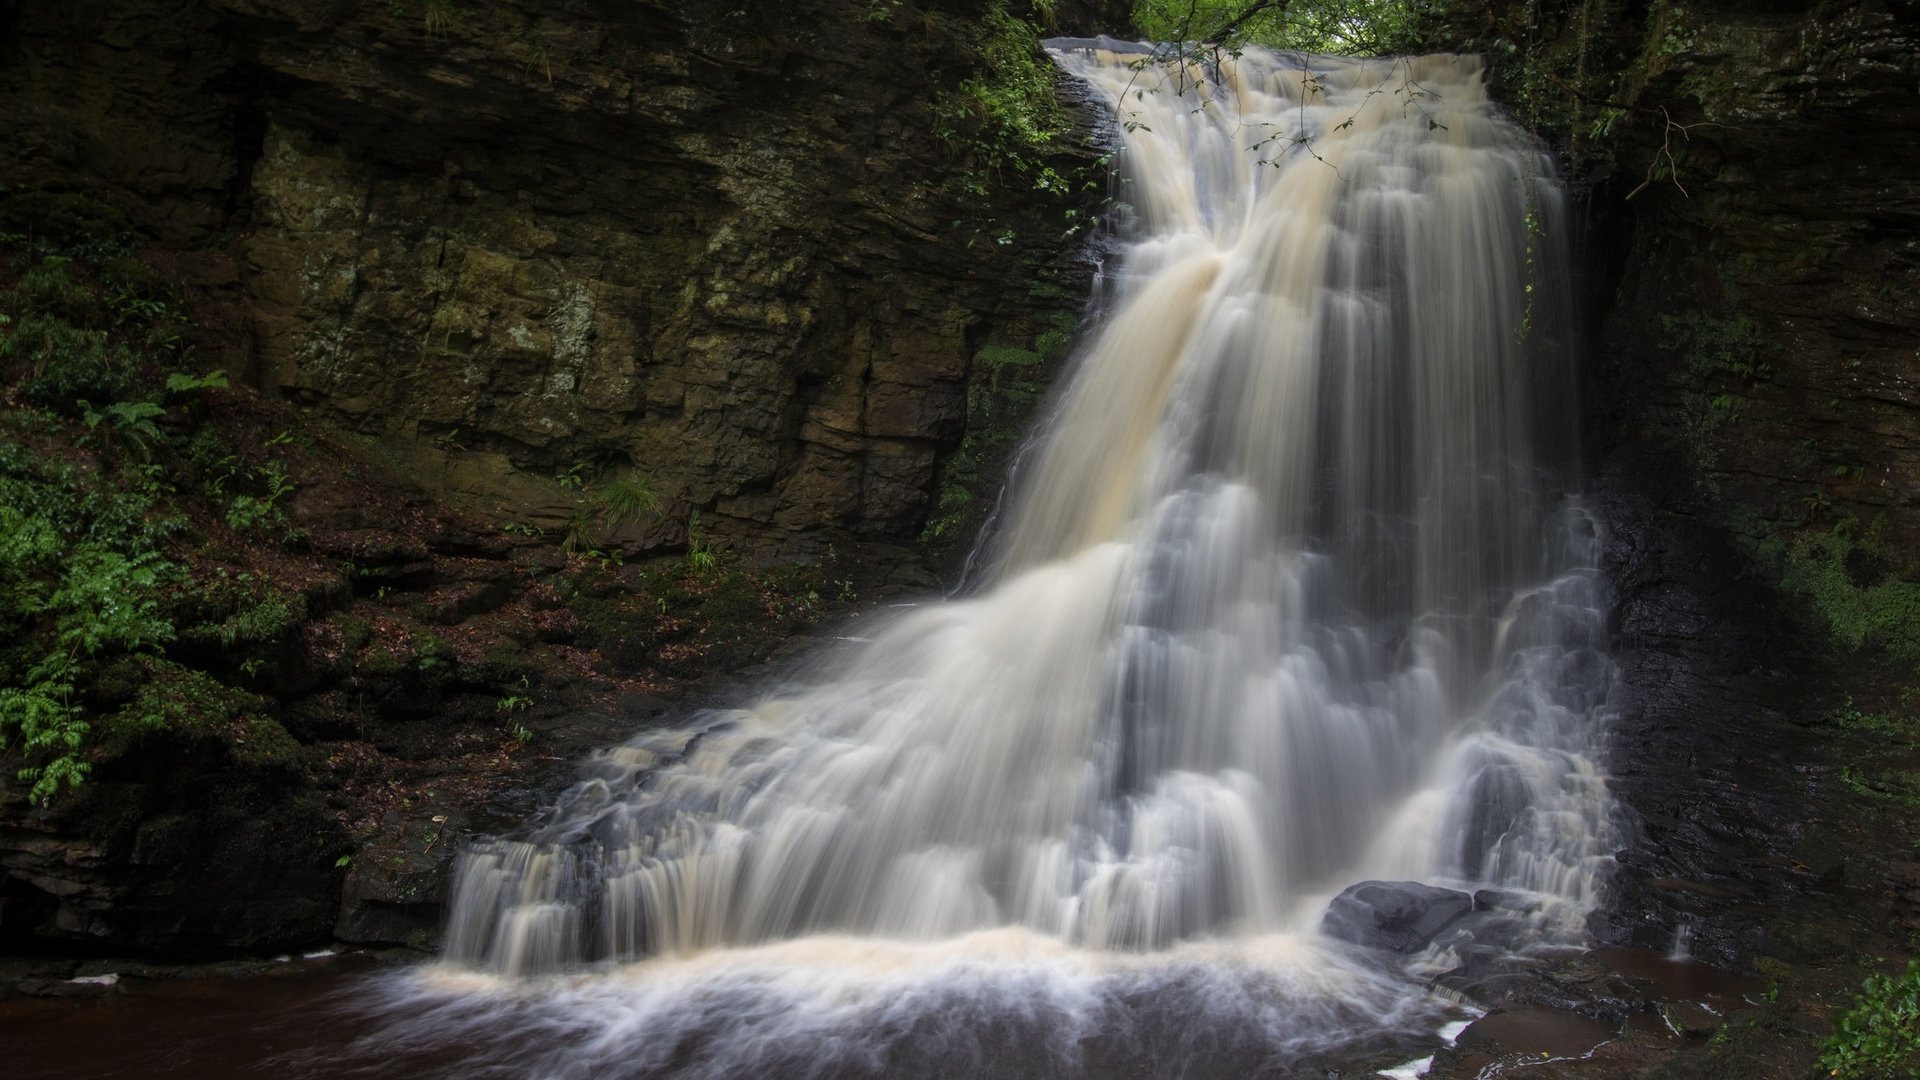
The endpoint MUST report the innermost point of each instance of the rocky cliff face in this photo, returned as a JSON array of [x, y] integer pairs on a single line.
[[505, 253], [722, 247], [1778, 288], [1755, 222]]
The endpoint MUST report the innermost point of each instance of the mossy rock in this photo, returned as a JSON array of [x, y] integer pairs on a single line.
[[174, 705]]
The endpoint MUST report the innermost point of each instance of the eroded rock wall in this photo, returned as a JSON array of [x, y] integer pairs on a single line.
[[1754, 241], [1781, 286], [504, 252], [718, 244]]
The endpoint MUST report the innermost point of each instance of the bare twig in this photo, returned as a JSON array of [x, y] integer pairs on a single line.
[[1666, 152]]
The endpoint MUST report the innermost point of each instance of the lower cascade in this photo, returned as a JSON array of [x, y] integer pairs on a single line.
[[1292, 593]]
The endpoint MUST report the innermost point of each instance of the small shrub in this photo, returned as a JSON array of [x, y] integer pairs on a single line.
[[1879, 1036], [127, 426], [107, 603], [260, 510], [65, 363], [262, 622], [104, 602], [48, 725]]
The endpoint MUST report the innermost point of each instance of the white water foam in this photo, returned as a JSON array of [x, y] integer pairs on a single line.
[[1294, 594]]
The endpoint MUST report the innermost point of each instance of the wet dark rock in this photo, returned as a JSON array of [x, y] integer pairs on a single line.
[[227, 854], [1690, 1018], [396, 884], [1751, 221], [723, 247], [640, 706], [1582, 985], [1399, 916], [1519, 1041], [1505, 900], [1708, 761]]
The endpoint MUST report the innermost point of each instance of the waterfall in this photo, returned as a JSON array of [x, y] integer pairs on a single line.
[[1293, 593]]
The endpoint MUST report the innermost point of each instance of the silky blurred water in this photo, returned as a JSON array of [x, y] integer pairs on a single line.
[[1294, 592]]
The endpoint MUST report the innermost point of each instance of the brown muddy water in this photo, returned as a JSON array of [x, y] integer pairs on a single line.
[[295, 1022]]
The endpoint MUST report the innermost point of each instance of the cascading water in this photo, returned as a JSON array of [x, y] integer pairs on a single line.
[[1292, 595]]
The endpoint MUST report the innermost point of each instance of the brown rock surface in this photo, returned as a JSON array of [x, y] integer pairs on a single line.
[[723, 250]]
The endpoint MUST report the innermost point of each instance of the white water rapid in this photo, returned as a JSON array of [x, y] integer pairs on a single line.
[[1292, 594]]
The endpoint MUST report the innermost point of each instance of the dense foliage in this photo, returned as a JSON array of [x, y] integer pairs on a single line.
[[97, 440], [1345, 27], [1879, 1035], [1004, 117], [80, 560]]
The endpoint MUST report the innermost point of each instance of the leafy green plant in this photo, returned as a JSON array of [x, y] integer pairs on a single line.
[[1002, 120], [1850, 717], [434, 652], [1879, 1035], [74, 330], [48, 726], [512, 705], [256, 511], [49, 285], [66, 362], [261, 622], [181, 383], [104, 601], [128, 425]]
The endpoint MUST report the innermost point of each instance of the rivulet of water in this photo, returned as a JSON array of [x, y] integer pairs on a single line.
[[1293, 593]]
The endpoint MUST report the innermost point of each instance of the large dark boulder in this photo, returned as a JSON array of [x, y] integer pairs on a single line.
[[1399, 916]]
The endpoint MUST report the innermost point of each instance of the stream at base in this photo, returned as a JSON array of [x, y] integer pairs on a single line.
[[1000, 1004], [997, 1005]]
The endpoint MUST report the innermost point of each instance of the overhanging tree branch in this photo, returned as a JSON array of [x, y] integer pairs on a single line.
[[1234, 24]]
